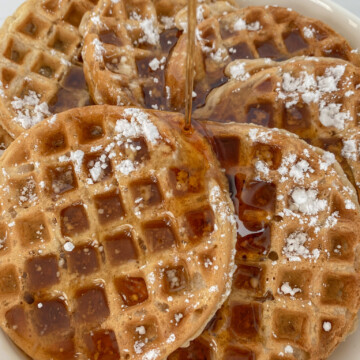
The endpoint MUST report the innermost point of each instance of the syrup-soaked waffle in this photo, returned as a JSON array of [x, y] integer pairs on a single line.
[[250, 33], [126, 49], [40, 62], [316, 98], [296, 290], [117, 236]]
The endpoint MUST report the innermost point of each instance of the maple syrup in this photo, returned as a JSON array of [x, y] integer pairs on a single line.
[[42, 272], [120, 248], [91, 305], [102, 345], [189, 86], [197, 350], [246, 320], [52, 316], [234, 353], [83, 260], [109, 207], [159, 235], [294, 41], [73, 220], [132, 290], [16, 320]]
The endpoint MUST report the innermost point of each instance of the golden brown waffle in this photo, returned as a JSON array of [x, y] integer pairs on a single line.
[[5, 140], [316, 98], [117, 238], [350, 152], [296, 290], [40, 62], [126, 50], [250, 33]]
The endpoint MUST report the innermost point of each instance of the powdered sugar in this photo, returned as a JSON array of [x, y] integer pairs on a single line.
[[139, 125], [238, 72], [260, 135], [155, 63], [126, 167], [99, 50], [308, 32], [289, 349], [327, 160], [327, 326], [330, 115], [241, 24], [76, 157], [69, 246], [29, 110], [306, 201], [295, 247], [168, 22], [262, 167], [310, 89], [149, 28], [287, 290], [349, 150], [297, 170], [151, 355]]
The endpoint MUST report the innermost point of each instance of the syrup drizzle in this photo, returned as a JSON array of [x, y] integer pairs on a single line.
[[190, 63]]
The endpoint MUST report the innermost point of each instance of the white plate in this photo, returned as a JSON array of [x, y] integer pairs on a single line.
[[340, 19]]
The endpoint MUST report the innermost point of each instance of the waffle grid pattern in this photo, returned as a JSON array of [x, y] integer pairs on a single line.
[[257, 101], [260, 320], [40, 52], [251, 33], [125, 64], [82, 247]]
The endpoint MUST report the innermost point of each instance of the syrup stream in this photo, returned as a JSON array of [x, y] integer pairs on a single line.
[[190, 62]]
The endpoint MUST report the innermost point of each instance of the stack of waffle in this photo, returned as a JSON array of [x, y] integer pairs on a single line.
[[123, 236]]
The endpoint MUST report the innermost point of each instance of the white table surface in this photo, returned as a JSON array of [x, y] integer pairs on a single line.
[[350, 350]]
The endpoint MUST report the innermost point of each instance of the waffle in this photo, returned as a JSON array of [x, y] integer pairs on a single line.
[[117, 238], [126, 50], [296, 290], [40, 62], [251, 33], [5, 140], [316, 98]]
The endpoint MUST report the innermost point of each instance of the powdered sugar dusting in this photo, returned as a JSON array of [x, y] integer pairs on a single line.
[[151, 355], [349, 150], [139, 125], [241, 24], [306, 201], [238, 72], [99, 50], [295, 248], [126, 167], [309, 89], [29, 110]]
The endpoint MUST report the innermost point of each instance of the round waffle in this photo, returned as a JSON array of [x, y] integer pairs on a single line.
[[296, 289], [316, 98], [40, 62], [251, 33], [117, 238], [126, 50]]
